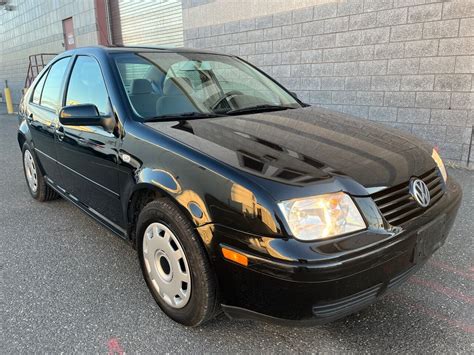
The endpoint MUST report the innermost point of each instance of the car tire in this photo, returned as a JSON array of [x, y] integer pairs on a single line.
[[171, 252], [35, 181]]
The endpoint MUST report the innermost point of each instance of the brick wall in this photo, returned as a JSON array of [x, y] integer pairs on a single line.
[[33, 27], [408, 63]]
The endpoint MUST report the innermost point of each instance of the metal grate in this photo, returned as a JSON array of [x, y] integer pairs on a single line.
[[398, 206]]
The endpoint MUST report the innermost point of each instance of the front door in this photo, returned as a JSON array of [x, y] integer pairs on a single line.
[[88, 155], [68, 33], [42, 116]]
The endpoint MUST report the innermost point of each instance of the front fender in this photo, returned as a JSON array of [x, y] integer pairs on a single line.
[[210, 198], [165, 184], [209, 192]]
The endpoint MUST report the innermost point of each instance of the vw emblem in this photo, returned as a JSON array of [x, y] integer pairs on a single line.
[[420, 192]]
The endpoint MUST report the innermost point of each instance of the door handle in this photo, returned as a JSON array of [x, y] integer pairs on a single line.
[[60, 133]]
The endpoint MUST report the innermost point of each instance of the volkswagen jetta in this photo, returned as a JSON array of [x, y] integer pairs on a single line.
[[237, 196]]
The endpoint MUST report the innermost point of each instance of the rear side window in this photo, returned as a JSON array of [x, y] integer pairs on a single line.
[[52, 87], [87, 85], [39, 89]]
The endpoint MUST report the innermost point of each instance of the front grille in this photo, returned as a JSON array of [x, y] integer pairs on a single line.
[[398, 206]]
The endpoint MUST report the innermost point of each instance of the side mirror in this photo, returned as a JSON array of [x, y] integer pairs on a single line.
[[80, 115], [294, 94]]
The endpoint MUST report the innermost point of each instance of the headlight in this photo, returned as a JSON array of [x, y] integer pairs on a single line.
[[323, 216], [440, 164]]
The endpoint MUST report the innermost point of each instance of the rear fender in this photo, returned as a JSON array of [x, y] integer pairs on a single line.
[[24, 134]]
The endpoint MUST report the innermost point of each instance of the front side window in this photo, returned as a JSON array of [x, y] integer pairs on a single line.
[[163, 84], [51, 95], [87, 86]]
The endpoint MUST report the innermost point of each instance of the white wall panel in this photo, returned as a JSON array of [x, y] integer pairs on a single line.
[[147, 22]]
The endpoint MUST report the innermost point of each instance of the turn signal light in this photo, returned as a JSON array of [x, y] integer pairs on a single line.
[[235, 257]]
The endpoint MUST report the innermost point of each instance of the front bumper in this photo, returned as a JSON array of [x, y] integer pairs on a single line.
[[324, 289]]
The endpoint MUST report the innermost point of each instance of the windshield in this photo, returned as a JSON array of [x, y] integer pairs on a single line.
[[160, 85]]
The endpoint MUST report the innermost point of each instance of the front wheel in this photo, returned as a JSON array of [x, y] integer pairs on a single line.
[[175, 264], [37, 186]]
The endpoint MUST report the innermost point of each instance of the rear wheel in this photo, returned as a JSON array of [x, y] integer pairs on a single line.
[[34, 178], [175, 264]]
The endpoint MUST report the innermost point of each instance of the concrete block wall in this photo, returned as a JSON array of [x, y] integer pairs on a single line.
[[33, 27], [407, 63]]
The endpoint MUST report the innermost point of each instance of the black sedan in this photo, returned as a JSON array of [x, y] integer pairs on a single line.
[[237, 196]]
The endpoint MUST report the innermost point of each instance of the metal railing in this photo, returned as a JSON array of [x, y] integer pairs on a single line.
[[36, 63]]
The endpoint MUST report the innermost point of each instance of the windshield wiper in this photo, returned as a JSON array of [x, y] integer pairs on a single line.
[[259, 108], [182, 116]]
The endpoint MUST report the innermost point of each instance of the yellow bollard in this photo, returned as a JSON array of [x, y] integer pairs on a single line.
[[8, 98]]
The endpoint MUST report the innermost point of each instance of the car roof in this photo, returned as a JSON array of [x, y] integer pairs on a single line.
[[144, 48]]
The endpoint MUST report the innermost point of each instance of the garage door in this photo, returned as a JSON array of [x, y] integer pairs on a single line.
[[147, 22]]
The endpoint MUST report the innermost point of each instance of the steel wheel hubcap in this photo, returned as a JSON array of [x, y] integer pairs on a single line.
[[166, 265], [30, 169]]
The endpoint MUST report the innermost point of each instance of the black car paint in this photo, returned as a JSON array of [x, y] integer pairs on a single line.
[[228, 174]]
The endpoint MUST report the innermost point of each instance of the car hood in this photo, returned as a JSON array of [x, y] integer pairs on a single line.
[[307, 145]]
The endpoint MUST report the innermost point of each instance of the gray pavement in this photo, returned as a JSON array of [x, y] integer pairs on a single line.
[[67, 284]]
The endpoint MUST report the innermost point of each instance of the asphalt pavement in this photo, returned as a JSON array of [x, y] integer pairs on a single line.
[[67, 284]]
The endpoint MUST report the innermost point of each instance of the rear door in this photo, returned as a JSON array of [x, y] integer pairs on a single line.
[[88, 155], [42, 116]]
